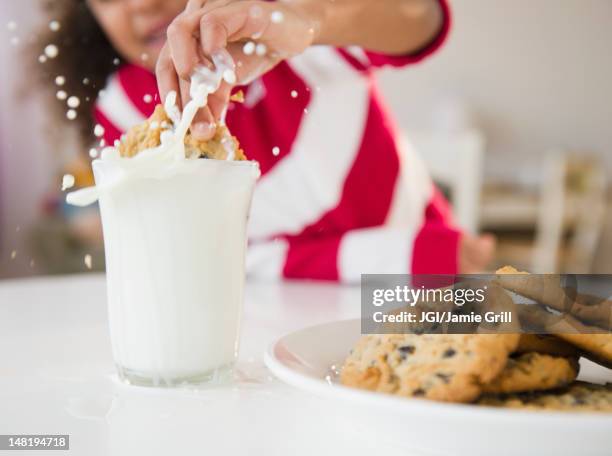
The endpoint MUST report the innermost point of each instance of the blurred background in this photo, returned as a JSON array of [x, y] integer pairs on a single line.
[[513, 117]]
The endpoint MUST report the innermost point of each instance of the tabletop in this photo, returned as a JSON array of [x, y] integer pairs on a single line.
[[57, 377]]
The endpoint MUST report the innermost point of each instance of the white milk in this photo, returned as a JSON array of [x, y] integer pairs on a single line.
[[175, 241], [175, 252]]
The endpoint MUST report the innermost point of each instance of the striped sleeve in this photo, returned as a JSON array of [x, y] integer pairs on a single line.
[[431, 248]]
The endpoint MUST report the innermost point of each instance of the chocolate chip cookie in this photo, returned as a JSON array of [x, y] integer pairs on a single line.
[[148, 135], [547, 344], [588, 339], [443, 367], [547, 289], [534, 372], [578, 397]]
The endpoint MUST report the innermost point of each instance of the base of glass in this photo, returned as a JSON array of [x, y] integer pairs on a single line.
[[218, 376]]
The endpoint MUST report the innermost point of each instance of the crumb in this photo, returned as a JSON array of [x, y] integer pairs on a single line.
[[238, 97]]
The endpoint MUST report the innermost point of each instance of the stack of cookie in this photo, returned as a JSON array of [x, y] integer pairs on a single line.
[[512, 370]]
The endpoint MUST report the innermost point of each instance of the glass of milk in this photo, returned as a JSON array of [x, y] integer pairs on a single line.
[[175, 252]]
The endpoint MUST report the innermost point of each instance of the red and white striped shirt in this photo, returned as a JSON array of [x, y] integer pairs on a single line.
[[340, 197]]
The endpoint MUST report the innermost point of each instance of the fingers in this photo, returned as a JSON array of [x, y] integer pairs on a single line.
[[232, 22], [218, 102], [203, 126], [167, 79], [184, 49], [476, 253], [194, 5]]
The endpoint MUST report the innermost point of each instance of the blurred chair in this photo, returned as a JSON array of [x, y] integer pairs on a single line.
[[455, 161], [566, 216]]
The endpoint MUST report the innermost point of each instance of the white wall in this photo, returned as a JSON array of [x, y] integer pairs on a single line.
[[538, 74]]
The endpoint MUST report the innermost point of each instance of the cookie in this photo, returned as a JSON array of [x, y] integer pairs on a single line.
[[578, 397], [592, 344], [443, 367], [546, 344], [547, 289], [148, 135], [534, 372]]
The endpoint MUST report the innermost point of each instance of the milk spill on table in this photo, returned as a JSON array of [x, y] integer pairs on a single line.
[[166, 159]]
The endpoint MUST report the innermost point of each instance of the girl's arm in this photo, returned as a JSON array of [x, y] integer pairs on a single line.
[[284, 29], [388, 26]]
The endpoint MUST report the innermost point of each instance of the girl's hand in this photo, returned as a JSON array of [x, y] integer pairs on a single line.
[[475, 253], [257, 34]]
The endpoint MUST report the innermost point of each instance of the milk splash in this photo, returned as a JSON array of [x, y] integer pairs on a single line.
[[169, 158]]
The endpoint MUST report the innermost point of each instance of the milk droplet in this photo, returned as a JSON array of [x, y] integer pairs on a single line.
[[61, 95], [67, 182], [144, 57], [85, 81], [275, 151], [42, 58], [249, 48], [15, 41], [13, 254], [11, 25], [71, 114], [87, 261], [73, 102], [51, 51], [229, 76], [277, 17], [261, 49], [54, 26], [102, 143], [60, 80], [147, 98], [98, 131], [116, 61], [93, 153], [294, 94]]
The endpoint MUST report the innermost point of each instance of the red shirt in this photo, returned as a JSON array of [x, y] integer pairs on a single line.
[[339, 196]]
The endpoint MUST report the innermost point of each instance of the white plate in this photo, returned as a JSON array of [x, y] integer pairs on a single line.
[[306, 359]]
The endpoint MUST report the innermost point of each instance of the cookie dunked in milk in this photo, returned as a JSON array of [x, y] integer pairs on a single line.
[[148, 136]]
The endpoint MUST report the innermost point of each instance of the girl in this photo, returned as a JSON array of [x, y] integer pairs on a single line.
[[338, 197]]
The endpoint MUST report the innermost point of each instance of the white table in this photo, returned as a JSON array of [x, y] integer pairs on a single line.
[[56, 377]]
